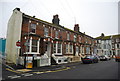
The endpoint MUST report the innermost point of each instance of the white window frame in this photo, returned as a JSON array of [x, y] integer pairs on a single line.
[[75, 38], [68, 36], [77, 51], [117, 40], [71, 48], [88, 50], [56, 49], [56, 34], [30, 47], [68, 52], [67, 48]]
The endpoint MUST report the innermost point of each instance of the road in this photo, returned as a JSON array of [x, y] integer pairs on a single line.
[[101, 70]]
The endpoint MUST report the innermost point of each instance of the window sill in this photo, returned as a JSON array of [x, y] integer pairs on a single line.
[[57, 53], [32, 33], [31, 53], [68, 53]]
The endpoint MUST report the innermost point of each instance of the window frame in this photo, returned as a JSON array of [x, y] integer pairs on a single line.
[[75, 38], [56, 34], [46, 31], [56, 48], [68, 36], [32, 27], [70, 49], [29, 51]]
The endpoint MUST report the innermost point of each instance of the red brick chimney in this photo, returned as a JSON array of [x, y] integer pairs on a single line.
[[76, 27]]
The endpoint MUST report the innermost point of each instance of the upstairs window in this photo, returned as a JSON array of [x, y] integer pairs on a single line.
[[68, 36], [86, 41], [32, 28], [56, 34], [75, 38], [117, 40], [46, 31]]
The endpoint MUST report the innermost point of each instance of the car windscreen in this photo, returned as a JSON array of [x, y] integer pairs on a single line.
[[88, 57]]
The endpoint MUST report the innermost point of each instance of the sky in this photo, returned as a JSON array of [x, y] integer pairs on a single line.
[[93, 16]]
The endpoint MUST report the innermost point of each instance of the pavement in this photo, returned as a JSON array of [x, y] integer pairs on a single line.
[[21, 69]]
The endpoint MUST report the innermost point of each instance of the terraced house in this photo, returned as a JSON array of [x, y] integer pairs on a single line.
[[43, 43], [108, 45], [116, 44]]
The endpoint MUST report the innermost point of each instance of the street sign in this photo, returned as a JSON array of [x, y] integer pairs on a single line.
[[18, 44]]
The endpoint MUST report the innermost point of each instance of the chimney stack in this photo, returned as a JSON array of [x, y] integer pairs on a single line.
[[17, 9], [76, 27], [102, 35], [55, 19]]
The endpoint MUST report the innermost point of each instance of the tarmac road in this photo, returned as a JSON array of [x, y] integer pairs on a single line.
[[101, 70]]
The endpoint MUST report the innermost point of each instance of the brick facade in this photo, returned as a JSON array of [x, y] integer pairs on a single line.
[[39, 37]]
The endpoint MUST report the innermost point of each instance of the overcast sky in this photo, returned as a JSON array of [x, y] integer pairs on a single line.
[[93, 16]]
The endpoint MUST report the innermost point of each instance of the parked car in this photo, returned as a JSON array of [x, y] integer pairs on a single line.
[[90, 59], [117, 58], [104, 57]]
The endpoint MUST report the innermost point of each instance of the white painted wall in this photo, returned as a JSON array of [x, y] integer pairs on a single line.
[[13, 35]]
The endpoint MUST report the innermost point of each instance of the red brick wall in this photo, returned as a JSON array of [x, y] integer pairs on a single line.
[[40, 32]]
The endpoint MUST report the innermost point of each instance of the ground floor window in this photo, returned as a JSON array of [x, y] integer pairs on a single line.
[[118, 51], [77, 50], [32, 46], [57, 48], [87, 50], [69, 48], [82, 50]]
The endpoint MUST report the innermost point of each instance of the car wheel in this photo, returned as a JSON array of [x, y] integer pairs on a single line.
[[92, 61], [116, 60], [96, 61]]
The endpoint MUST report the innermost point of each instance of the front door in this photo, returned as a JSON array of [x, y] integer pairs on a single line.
[[77, 51], [48, 51]]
